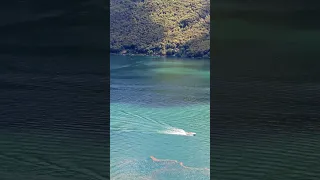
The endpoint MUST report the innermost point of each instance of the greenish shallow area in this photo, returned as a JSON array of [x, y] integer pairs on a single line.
[[153, 101], [182, 71]]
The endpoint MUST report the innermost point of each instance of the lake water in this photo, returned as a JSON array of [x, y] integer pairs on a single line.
[[265, 128], [154, 100], [265, 91], [53, 117]]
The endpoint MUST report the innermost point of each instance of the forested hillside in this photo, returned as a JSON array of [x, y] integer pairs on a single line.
[[160, 27]]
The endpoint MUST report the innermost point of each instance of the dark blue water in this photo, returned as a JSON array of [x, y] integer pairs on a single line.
[[53, 117], [53, 90], [265, 91]]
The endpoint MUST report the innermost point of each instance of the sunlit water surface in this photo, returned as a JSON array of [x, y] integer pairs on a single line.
[[154, 102]]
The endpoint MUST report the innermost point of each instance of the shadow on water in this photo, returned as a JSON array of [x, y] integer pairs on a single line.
[[265, 90]]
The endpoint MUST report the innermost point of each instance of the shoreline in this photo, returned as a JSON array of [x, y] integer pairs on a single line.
[[156, 55]]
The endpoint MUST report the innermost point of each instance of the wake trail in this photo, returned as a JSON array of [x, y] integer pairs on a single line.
[[165, 128], [120, 124], [156, 122]]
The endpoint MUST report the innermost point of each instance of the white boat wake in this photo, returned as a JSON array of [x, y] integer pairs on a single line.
[[177, 131], [151, 128]]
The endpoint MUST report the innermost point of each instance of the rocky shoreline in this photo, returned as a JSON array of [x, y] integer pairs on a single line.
[[172, 53]]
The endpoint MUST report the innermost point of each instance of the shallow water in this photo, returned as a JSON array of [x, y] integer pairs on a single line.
[[153, 102]]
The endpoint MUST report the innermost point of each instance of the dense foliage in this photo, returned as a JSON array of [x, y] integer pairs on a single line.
[[160, 27]]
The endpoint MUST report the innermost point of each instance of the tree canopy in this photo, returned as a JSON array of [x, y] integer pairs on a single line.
[[170, 27]]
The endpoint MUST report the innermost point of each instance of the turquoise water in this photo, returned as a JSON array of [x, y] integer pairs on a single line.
[[154, 101]]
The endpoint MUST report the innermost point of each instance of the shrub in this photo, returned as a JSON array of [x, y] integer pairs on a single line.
[[150, 52], [169, 52]]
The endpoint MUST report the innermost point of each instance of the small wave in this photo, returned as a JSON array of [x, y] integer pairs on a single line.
[[120, 67]]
